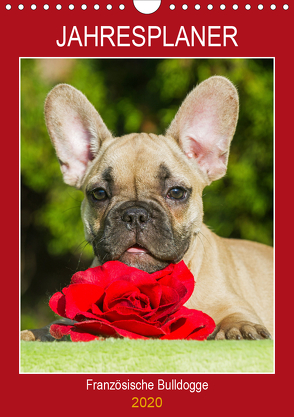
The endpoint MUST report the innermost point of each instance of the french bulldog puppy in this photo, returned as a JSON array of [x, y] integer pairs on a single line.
[[143, 201]]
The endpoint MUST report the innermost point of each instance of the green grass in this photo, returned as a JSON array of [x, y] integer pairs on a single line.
[[158, 356]]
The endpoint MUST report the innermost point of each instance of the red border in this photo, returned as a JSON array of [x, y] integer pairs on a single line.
[[265, 33]]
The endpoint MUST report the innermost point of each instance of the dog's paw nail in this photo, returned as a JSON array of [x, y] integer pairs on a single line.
[[265, 334]]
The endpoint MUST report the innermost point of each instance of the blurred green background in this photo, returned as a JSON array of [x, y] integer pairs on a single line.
[[134, 95]]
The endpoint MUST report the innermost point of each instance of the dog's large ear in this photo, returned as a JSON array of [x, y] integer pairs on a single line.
[[76, 131], [205, 124]]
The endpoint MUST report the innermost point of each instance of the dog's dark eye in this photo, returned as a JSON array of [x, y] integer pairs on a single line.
[[177, 193], [99, 194]]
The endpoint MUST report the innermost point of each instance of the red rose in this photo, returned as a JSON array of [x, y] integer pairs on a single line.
[[118, 300]]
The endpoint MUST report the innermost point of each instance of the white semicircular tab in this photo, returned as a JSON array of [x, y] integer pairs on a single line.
[[147, 6]]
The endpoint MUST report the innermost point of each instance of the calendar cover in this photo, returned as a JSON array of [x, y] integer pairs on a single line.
[[147, 217]]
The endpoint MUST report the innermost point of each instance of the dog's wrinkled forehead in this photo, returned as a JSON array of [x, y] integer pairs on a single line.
[[139, 164]]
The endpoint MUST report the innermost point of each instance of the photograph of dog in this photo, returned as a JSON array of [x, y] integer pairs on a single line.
[[143, 201]]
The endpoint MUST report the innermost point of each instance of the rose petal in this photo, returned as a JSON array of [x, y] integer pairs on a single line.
[[116, 290], [107, 273], [57, 304], [82, 337], [118, 270], [96, 327], [161, 312], [59, 330], [135, 300], [89, 276], [79, 298], [103, 329], [183, 274], [169, 296], [143, 329], [180, 272], [130, 335], [123, 310], [96, 310], [122, 315], [177, 286], [201, 333], [99, 275], [188, 324], [163, 272], [153, 290], [86, 315], [169, 303]]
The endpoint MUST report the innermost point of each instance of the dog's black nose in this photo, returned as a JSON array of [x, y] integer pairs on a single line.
[[135, 217]]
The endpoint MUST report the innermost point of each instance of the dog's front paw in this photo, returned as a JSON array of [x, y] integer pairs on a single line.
[[36, 335], [27, 336], [240, 330]]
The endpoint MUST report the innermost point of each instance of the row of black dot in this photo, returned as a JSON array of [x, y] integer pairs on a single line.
[[172, 6]]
